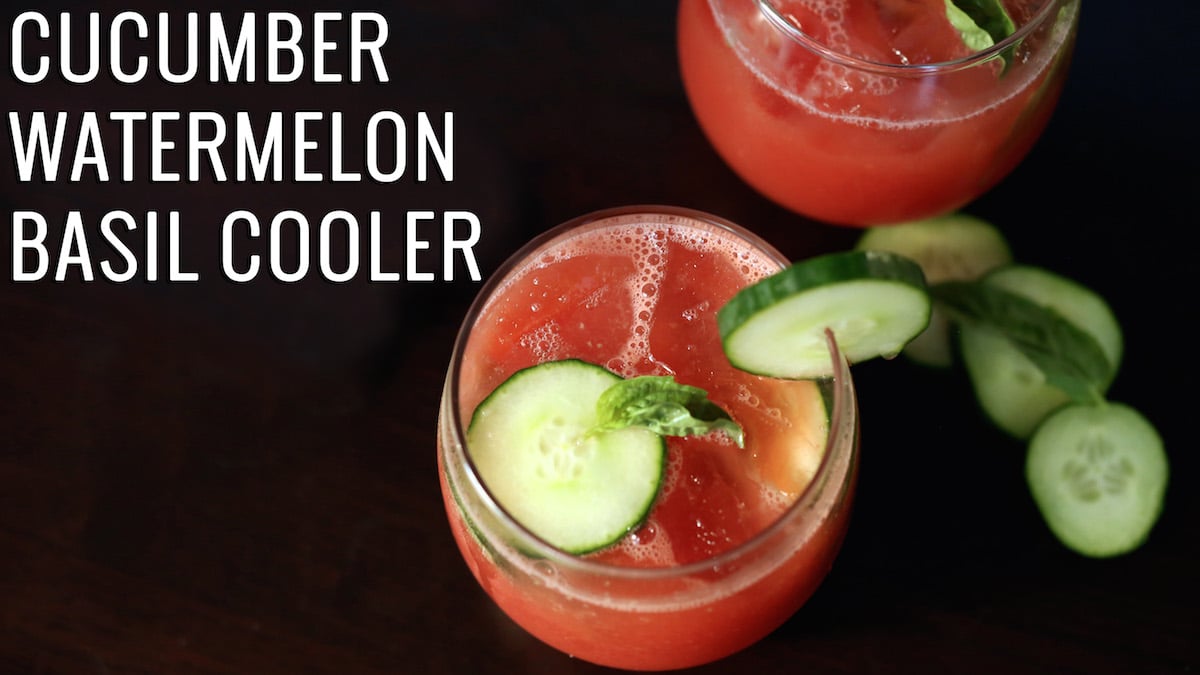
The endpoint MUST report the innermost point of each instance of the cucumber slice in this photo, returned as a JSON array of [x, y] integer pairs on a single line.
[[874, 302], [1098, 473], [535, 446], [954, 247], [1010, 388]]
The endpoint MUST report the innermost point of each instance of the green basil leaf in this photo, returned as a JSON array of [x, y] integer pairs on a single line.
[[664, 406], [981, 23], [973, 35], [1069, 357]]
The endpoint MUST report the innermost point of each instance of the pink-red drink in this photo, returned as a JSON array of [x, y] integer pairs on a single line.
[[738, 537], [870, 113]]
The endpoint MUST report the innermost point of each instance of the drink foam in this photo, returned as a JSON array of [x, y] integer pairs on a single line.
[[647, 242]]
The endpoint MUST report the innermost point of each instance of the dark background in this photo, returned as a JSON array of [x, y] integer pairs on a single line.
[[225, 478]]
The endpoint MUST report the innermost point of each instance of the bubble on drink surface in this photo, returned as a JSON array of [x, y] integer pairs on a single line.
[[759, 46], [671, 473], [753, 401], [832, 79], [649, 545], [777, 501], [833, 17], [594, 299], [753, 266], [821, 89], [543, 570], [694, 312], [544, 342], [648, 248]]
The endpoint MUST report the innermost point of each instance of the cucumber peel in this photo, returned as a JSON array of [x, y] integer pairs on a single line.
[[1041, 351], [576, 454], [1031, 341], [1067, 355], [952, 247], [874, 302]]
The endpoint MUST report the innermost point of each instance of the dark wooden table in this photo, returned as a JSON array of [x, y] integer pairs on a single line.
[[223, 478]]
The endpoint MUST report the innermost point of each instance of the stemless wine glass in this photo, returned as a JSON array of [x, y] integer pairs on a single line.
[[870, 113], [645, 604]]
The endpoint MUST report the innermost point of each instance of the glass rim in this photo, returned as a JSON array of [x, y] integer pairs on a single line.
[[843, 413], [777, 19]]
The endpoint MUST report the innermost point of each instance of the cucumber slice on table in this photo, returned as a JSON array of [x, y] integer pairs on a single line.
[[954, 247], [1098, 473], [535, 443], [1011, 389], [874, 302]]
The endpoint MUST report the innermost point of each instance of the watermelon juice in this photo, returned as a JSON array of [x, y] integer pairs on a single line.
[[738, 538], [870, 113]]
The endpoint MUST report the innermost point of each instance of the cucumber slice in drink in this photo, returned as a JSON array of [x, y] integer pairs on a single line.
[[536, 443], [1098, 473], [874, 302], [954, 247], [1013, 392]]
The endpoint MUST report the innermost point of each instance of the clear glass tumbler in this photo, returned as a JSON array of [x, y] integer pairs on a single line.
[[653, 276], [870, 113]]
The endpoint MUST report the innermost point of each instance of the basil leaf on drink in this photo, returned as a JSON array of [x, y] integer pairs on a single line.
[[664, 406], [973, 35], [981, 23], [1069, 357]]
